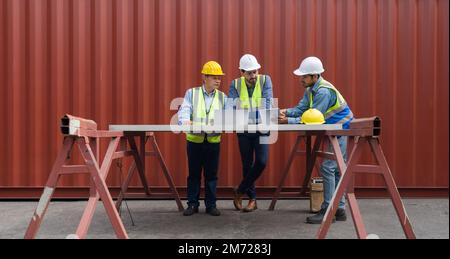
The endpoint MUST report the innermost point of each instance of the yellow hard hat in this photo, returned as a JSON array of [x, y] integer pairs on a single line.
[[312, 117], [212, 68]]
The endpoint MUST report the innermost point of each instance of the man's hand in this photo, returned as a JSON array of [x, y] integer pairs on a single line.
[[282, 120]]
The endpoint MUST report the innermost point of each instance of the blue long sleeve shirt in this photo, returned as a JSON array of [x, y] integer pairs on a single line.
[[323, 100]]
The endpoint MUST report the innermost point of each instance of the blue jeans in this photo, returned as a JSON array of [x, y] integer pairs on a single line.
[[330, 174], [202, 157]]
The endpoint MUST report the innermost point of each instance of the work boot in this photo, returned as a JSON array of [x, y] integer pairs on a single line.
[[190, 210], [317, 219], [237, 199], [251, 206], [213, 211], [340, 215]]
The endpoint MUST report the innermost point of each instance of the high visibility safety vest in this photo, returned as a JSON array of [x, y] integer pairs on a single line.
[[337, 108], [241, 87], [200, 115]]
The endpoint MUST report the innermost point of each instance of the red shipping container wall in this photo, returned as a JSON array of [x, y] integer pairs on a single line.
[[122, 62]]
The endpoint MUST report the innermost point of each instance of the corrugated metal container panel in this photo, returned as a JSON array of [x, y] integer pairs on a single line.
[[122, 62]]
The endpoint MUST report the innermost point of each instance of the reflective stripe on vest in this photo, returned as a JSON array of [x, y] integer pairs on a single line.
[[339, 106], [242, 90], [200, 115]]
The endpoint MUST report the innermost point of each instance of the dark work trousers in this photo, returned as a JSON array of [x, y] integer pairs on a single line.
[[254, 159], [202, 157]]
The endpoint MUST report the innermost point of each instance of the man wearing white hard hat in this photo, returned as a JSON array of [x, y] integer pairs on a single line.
[[321, 103], [252, 92]]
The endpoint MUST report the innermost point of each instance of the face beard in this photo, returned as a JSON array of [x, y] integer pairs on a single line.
[[252, 81]]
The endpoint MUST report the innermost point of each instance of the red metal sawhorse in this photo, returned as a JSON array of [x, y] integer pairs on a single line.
[[85, 135], [139, 164], [362, 131]]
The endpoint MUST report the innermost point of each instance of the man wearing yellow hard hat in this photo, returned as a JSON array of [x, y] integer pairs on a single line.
[[203, 148], [321, 103]]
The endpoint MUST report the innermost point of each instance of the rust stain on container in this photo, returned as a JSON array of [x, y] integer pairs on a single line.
[[122, 62]]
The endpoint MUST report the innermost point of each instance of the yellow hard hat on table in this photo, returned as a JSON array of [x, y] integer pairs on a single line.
[[212, 68], [312, 117]]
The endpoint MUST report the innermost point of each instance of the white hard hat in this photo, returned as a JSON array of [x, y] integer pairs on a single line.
[[72, 236], [310, 66], [372, 236], [248, 62]]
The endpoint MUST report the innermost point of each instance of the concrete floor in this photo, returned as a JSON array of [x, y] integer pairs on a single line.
[[161, 220]]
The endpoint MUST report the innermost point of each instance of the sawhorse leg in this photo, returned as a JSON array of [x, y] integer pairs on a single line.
[[49, 189], [285, 173], [311, 156], [156, 152], [166, 172], [97, 179], [346, 177], [346, 183], [86, 219], [392, 187], [139, 163]]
